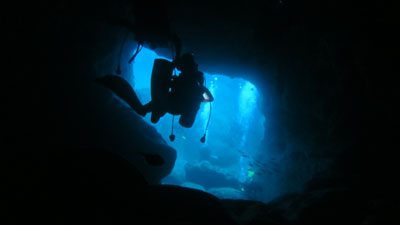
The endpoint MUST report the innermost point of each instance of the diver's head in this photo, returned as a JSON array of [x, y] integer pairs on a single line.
[[186, 62]]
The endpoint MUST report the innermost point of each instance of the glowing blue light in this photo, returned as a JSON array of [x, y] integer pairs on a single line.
[[247, 100], [142, 67], [235, 119]]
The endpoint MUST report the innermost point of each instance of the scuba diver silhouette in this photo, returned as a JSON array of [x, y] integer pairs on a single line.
[[177, 95], [185, 92]]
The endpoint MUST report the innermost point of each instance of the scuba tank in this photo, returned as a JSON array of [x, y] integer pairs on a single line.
[[160, 84], [165, 101]]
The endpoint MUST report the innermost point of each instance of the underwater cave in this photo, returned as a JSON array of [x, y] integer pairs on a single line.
[[303, 129], [225, 165]]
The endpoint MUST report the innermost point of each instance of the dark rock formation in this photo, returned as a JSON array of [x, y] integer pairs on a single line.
[[209, 176], [93, 186], [70, 151], [329, 206]]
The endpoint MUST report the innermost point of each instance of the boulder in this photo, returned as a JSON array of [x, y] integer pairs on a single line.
[[227, 193], [209, 176], [193, 186]]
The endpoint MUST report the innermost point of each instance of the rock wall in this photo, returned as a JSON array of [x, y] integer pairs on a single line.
[[53, 89], [326, 74], [325, 71], [326, 65]]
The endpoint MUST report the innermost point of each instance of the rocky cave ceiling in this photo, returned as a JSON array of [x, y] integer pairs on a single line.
[[234, 37]]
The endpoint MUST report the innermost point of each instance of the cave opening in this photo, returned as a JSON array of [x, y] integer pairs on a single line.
[[226, 164]]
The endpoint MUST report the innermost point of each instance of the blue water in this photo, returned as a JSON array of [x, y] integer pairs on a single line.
[[223, 165]]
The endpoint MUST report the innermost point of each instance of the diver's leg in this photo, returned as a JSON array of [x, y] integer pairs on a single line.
[[155, 116], [148, 107], [122, 89]]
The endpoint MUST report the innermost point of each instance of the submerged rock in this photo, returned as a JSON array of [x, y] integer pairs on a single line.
[[170, 204], [118, 129], [193, 186], [329, 206], [252, 212], [209, 176], [93, 186], [227, 193]]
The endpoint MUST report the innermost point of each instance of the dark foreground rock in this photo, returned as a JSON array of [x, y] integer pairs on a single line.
[[329, 206], [326, 71], [92, 186]]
